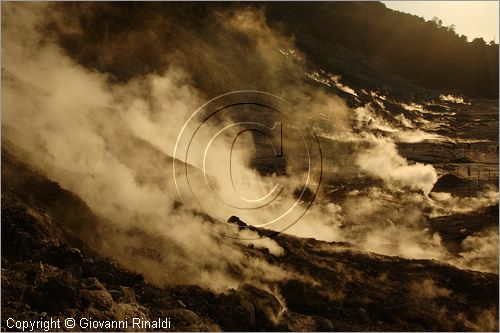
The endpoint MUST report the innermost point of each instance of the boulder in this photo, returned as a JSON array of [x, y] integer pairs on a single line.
[[64, 286], [266, 306], [101, 299], [236, 220], [234, 313], [128, 295], [92, 283], [64, 256], [189, 321], [124, 311], [116, 294]]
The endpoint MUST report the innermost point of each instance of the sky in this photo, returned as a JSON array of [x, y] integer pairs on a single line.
[[471, 18]]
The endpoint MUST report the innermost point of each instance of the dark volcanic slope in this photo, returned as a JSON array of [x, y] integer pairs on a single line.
[[455, 228], [368, 44], [47, 272]]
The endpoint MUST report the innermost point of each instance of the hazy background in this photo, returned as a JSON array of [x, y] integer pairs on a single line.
[[474, 19]]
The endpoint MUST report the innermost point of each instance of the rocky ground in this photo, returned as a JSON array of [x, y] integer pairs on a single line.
[[47, 272]]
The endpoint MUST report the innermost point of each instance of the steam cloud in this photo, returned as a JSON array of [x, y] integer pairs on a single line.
[[112, 144]]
